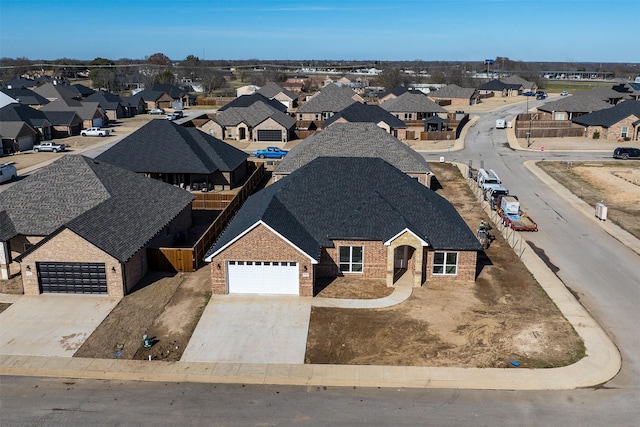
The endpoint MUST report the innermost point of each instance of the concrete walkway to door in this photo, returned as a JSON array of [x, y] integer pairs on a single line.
[[402, 290]]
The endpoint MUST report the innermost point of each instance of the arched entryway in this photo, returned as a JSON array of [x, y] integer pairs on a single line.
[[403, 260]]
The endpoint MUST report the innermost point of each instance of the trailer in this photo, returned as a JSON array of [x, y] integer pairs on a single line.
[[513, 216]]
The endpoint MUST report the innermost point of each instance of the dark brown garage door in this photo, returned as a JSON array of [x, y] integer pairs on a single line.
[[270, 135], [72, 277]]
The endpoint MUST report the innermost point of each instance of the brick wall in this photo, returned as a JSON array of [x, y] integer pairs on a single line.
[[261, 244], [466, 266], [67, 246], [17, 244], [374, 265]]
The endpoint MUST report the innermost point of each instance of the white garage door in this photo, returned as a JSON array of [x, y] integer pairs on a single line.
[[262, 277]]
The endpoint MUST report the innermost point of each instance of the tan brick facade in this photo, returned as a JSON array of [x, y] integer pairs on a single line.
[[374, 263], [270, 124], [614, 132], [466, 266], [261, 244], [67, 246]]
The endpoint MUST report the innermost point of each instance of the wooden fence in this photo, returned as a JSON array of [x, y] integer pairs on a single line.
[[190, 259]]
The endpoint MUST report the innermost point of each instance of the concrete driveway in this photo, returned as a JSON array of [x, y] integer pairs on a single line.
[[51, 324], [251, 329]]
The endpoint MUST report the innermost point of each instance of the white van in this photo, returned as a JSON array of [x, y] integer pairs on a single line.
[[501, 124]]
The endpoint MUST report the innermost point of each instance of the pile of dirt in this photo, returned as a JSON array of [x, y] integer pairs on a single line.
[[505, 315]]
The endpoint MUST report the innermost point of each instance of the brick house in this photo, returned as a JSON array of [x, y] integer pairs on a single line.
[[327, 102], [356, 140], [341, 216], [570, 107], [455, 95], [413, 105], [364, 113], [180, 156], [36, 119], [274, 91], [82, 226], [500, 89], [619, 123]]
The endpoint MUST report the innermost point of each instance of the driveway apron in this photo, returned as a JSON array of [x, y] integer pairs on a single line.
[[251, 329]]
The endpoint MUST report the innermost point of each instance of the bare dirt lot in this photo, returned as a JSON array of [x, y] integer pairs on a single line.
[[505, 315], [614, 183]]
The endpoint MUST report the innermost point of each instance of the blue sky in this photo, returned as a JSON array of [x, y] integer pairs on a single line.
[[448, 30]]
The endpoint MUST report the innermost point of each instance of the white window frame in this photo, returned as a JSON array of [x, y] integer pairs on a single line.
[[624, 132], [350, 264], [446, 268]]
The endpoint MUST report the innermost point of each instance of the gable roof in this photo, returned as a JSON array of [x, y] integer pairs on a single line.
[[87, 110], [13, 130], [26, 96], [354, 140], [253, 115], [358, 112], [62, 118], [148, 95], [172, 90], [272, 89], [412, 102], [453, 91], [352, 199], [114, 209], [517, 80], [245, 101], [610, 116], [55, 91], [106, 100], [583, 103], [331, 98], [396, 91], [81, 90], [162, 146], [23, 113], [499, 86]]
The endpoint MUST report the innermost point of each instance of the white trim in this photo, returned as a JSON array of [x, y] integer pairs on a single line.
[[422, 242], [260, 222]]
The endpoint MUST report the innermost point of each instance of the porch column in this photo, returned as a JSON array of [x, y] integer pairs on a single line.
[[4, 261]]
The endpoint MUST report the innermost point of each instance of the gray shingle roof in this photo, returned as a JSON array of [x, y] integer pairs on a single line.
[[114, 209], [245, 101], [583, 103], [85, 109], [12, 130], [55, 91], [354, 199], [498, 85], [517, 80], [453, 91], [253, 115], [26, 96], [162, 146], [331, 98], [61, 118], [358, 112], [106, 100], [272, 89], [412, 102], [610, 116], [354, 140], [23, 113]]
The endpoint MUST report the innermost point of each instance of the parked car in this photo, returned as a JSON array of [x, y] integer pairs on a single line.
[[529, 93], [270, 153], [626, 153], [94, 132], [564, 93], [157, 111], [175, 115], [8, 172], [541, 95], [49, 146]]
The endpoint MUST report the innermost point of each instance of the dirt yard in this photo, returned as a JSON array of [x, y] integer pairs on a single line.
[[505, 315], [614, 183], [166, 307]]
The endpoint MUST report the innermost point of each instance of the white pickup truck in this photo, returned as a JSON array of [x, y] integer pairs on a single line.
[[49, 146], [94, 132]]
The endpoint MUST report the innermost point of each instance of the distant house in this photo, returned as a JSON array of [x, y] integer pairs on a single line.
[[26, 97], [133, 105], [570, 107], [363, 113], [36, 119], [184, 157], [412, 106], [258, 121], [55, 92], [64, 123], [110, 103], [82, 90], [328, 101], [620, 122], [357, 217], [392, 94], [16, 137], [455, 95], [356, 140], [274, 91], [248, 100], [500, 89], [82, 226], [90, 112], [517, 80], [630, 90], [153, 99]]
